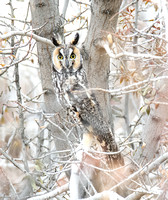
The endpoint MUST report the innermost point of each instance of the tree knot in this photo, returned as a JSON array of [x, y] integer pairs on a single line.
[[40, 5]]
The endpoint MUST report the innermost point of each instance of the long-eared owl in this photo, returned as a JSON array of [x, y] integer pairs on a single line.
[[71, 87]]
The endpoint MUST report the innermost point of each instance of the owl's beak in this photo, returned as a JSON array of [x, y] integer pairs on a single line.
[[67, 63]]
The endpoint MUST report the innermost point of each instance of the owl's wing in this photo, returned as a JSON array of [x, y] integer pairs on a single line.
[[91, 116]]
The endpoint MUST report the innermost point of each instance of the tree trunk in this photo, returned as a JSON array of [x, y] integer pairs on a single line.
[[98, 63], [155, 129], [155, 126], [45, 14]]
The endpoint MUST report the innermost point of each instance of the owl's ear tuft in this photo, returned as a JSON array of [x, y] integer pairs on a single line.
[[75, 40], [55, 42]]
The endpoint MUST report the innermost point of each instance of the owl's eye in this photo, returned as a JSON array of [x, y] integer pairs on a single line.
[[60, 57], [73, 56]]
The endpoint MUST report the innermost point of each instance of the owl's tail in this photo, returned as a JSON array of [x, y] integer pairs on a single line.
[[109, 146]]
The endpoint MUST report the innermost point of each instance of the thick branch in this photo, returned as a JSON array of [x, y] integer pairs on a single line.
[[29, 34], [105, 195]]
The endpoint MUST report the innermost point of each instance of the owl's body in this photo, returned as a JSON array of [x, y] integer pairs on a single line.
[[71, 89]]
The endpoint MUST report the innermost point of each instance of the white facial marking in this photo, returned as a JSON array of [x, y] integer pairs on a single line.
[[61, 51]]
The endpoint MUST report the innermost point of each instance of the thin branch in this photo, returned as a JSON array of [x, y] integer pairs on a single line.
[[12, 161], [70, 21], [51, 194], [132, 130], [143, 32], [140, 192], [56, 152], [129, 54], [22, 59], [14, 19], [79, 2], [126, 89], [122, 9], [146, 169], [135, 39], [105, 46], [165, 16], [20, 168]]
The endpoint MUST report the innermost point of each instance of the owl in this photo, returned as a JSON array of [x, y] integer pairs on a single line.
[[71, 86]]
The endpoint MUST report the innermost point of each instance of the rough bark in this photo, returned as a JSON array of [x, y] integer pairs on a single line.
[[98, 63], [45, 14]]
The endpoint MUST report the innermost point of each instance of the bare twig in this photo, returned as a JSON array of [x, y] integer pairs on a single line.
[[127, 89], [70, 21], [128, 54], [132, 130], [79, 2], [12, 161], [146, 169], [135, 40], [122, 9], [14, 19], [51, 194], [141, 191]]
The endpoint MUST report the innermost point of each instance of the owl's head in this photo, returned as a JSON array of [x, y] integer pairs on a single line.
[[67, 58]]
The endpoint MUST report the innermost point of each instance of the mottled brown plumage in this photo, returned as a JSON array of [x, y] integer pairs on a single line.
[[70, 82]]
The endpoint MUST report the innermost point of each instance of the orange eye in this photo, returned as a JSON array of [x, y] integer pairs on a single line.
[[73, 56], [60, 57]]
